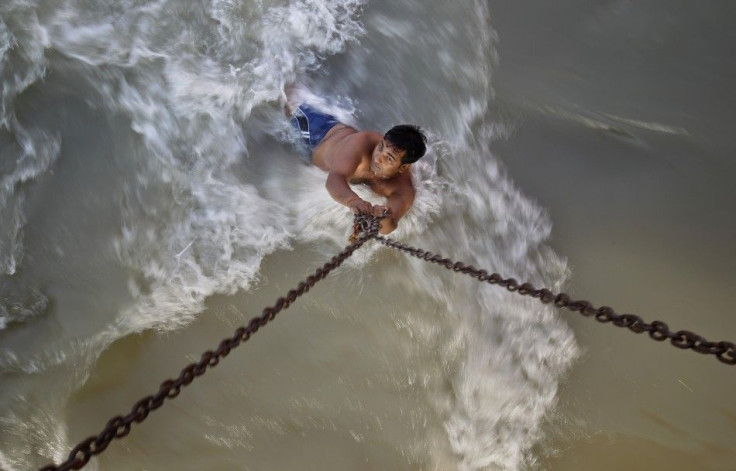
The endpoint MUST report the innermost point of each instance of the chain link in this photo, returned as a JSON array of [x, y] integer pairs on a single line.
[[657, 330], [120, 426], [366, 227]]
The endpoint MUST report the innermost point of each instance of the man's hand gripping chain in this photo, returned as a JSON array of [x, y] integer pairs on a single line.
[[367, 223]]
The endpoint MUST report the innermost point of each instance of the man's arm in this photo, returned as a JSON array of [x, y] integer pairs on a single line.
[[338, 187], [398, 204], [341, 168]]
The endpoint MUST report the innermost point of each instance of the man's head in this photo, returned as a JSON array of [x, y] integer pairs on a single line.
[[401, 146], [408, 138]]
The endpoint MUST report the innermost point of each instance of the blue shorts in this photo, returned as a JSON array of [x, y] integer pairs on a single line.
[[312, 124]]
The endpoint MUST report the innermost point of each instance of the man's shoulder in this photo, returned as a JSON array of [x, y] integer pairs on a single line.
[[366, 137], [375, 135], [358, 143], [404, 183]]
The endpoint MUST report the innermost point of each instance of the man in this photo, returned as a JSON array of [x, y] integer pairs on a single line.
[[381, 162]]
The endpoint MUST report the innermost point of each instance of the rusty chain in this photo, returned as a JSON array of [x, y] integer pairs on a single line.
[[657, 330], [366, 228], [119, 426]]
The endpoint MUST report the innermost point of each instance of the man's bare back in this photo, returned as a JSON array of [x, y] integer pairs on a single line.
[[381, 162]]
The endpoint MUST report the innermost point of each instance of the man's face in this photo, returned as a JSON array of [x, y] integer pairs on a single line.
[[386, 159]]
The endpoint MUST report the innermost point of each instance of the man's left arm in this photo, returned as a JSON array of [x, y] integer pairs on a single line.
[[398, 204]]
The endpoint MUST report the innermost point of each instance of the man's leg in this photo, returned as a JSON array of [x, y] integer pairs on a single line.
[[291, 99]]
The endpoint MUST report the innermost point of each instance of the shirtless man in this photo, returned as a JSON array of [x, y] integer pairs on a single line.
[[349, 156]]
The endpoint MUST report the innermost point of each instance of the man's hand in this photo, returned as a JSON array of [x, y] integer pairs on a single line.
[[358, 205], [379, 210], [388, 224]]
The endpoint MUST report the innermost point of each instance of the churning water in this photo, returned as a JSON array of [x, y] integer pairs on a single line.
[[151, 202]]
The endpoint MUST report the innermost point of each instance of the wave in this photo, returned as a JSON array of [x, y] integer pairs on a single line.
[[26, 152], [208, 191]]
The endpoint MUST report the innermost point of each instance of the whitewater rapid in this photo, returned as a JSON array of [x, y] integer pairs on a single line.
[[147, 168]]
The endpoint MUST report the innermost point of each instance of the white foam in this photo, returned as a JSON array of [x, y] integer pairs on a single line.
[[27, 152], [190, 228], [193, 225], [20, 302], [511, 351]]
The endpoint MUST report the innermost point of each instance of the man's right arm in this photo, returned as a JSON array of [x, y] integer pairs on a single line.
[[341, 168], [338, 187]]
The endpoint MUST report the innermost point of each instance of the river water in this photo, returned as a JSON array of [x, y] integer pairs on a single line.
[[151, 202]]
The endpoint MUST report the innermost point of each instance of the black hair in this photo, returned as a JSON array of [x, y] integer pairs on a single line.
[[409, 138]]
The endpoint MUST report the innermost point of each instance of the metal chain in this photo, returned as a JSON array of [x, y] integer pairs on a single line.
[[366, 227], [657, 330], [119, 426]]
